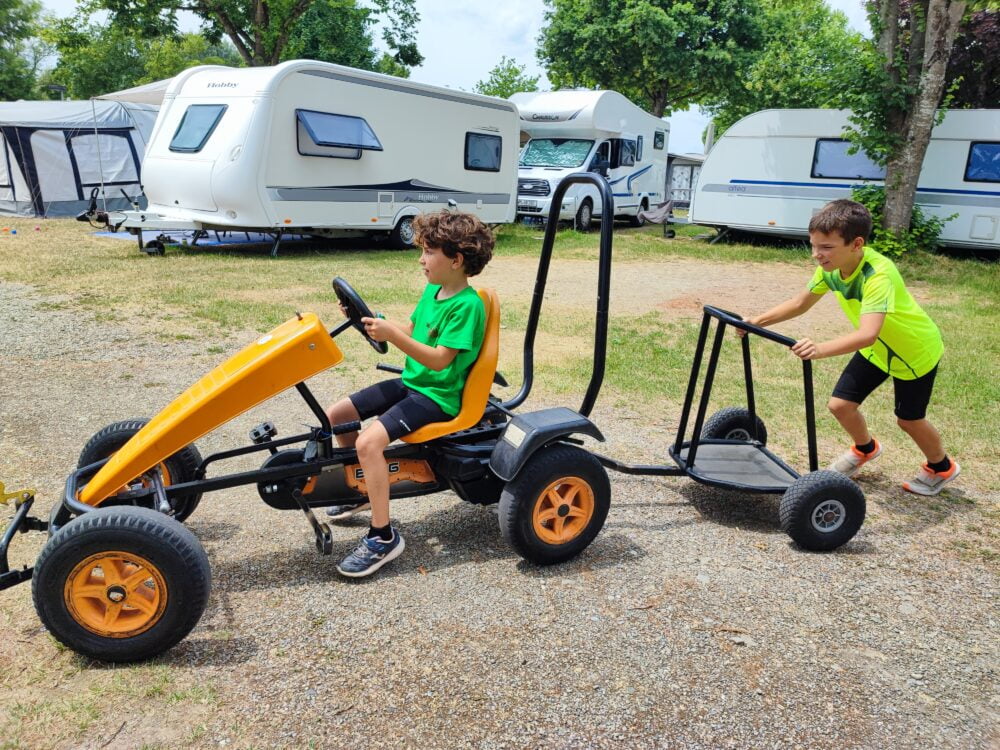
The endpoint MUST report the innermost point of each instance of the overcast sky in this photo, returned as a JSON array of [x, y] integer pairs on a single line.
[[461, 43]]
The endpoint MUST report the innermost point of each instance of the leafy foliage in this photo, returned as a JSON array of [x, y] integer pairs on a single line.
[[974, 65], [662, 54], [17, 27], [922, 234], [507, 78], [809, 53]]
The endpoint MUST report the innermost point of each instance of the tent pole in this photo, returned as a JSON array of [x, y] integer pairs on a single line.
[[100, 161]]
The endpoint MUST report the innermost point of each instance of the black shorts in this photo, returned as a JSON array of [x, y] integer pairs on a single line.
[[861, 377], [401, 410]]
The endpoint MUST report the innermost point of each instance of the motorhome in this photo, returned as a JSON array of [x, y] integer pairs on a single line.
[[314, 148], [773, 170], [598, 131]]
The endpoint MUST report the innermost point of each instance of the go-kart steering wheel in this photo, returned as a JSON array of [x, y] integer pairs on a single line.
[[356, 308]]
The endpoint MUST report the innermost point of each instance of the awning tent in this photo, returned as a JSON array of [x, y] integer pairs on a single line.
[[54, 154]]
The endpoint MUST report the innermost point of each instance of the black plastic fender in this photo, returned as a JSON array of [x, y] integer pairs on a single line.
[[526, 433]]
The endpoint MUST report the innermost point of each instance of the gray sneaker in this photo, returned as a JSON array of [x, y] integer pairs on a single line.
[[370, 555], [343, 512], [851, 462], [930, 482]]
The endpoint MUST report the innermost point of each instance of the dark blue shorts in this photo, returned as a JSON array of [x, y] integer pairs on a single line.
[[401, 410], [861, 377]]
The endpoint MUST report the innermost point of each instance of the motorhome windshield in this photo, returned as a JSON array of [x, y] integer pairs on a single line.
[[555, 152]]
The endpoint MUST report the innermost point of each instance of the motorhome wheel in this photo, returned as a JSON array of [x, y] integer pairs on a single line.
[[402, 235], [584, 216]]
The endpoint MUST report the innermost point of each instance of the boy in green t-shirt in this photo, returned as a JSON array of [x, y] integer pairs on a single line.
[[441, 343], [894, 338]]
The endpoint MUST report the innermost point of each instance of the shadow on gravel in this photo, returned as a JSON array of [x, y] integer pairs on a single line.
[[607, 551], [743, 510], [205, 651], [214, 531]]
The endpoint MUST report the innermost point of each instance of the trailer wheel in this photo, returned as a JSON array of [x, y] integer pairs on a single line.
[[584, 216], [402, 235], [121, 584], [556, 505], [733, 423], [822, 510], [176, 469]]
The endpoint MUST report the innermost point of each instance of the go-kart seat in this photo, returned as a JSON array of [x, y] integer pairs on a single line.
[[476, 393]]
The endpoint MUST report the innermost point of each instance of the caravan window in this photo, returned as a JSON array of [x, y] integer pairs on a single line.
[[196, 127], [336, 136], [638, 149], [555, 152], [482, 152], [984, 163], [831, 160], [622, 153], [659, 140]]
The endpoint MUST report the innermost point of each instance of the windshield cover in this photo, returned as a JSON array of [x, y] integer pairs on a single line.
[[555, 152]]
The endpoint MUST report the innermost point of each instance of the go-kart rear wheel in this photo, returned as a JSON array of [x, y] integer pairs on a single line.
[[822, 510], [733, 423], [178, 468], [556, 505], [121, 584]]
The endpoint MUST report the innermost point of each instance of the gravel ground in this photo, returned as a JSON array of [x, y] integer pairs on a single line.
[[690, 622]]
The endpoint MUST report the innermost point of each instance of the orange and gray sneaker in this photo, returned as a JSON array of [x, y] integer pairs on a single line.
[[851, 462], [930, 482]]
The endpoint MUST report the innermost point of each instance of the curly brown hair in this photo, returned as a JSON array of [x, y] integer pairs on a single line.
[[847, 218], [456, 233]]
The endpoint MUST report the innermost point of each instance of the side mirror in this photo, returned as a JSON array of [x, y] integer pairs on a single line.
[[600, 166]]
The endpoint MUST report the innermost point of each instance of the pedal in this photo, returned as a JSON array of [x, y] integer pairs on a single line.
[[324, 539], [263, 433], [19, 496]]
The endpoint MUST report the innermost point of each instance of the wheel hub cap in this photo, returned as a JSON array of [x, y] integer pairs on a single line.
[[115, 594], [829, 516], [563, 510]]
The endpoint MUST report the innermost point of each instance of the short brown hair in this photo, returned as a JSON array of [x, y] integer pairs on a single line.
[[848, 218], [456, 233]]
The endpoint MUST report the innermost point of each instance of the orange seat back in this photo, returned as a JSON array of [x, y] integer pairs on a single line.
[[476, 393]]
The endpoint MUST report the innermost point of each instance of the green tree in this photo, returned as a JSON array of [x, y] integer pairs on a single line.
[[262, 29], [17, 64], [974, 66], [167, 56], [93, 58], [810, 52], [897, 91], [662, 54], [507, 78], [338, 33]]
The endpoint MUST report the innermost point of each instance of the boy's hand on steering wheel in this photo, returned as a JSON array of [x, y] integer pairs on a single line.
[[378, 328]]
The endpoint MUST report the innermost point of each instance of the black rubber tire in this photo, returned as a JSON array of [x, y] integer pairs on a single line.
[[639, 221], [822, 510], [584, 216], [733, 423], [167, 545], [401, 237], [520, 496], [182, 465]]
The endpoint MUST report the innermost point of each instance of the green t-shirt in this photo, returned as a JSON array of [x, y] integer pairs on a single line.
[[458, 322], [909, 344]]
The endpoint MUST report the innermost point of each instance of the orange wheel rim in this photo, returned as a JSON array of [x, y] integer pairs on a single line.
[[116, 594], [563, 510]]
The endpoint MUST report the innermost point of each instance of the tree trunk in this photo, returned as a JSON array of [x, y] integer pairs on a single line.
[[903, 169]]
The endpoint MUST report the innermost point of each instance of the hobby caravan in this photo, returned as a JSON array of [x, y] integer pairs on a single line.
[[773, 170], [597, 131], [314, 148]]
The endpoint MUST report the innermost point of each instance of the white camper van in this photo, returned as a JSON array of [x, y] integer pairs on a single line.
[[598, 131], [773, 170], [314, 148]]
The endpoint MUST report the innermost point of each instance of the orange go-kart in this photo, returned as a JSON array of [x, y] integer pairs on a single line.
[[122, 579]]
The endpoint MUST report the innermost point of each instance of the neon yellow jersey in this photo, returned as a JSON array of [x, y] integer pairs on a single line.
[[458, 322], [909, 344]]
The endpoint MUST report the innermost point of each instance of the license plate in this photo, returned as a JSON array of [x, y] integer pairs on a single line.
[[527, 204]]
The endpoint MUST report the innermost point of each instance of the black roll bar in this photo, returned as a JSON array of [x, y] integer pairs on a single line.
[[603, 290]]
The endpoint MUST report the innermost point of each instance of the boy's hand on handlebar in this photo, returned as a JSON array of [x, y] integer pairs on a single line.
[[806, 349], [740, 332]]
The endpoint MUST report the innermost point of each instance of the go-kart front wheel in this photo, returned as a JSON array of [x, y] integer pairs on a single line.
[[556, 505], [175, 469], [121, 584]]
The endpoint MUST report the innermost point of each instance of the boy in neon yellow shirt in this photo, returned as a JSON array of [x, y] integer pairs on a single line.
[[441, 343], [894, 338]]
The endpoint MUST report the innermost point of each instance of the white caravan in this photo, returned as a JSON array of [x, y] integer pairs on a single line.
[[597, 131], [313, 148], [773, 170]]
